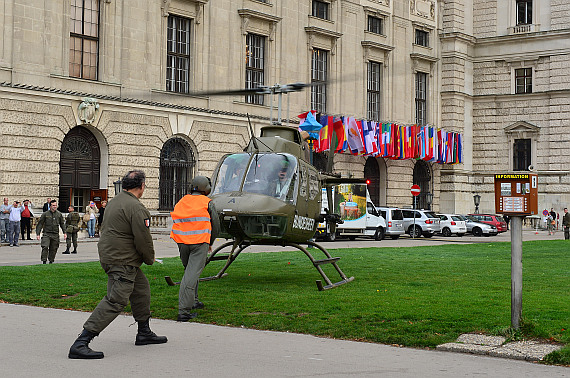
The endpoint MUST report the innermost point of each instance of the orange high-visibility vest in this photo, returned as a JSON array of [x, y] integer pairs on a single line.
[[191, 220]]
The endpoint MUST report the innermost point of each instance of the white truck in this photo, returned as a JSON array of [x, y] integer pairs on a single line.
[[357, 212]]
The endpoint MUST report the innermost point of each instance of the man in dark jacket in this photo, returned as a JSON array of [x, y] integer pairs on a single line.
[[50, 222], [124, 245], [72, 228], [566, 224]]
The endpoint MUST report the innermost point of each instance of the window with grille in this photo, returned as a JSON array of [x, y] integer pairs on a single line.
[[176, 172], [373, 90], [374, 25], [84, 39], [523, 80], [254, 66], [178, 54], [524, 12], [521, 155], [320, 9], [319, 75], [422, 38], [421, 98]]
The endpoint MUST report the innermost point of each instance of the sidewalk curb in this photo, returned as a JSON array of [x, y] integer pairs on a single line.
[[494, 346]]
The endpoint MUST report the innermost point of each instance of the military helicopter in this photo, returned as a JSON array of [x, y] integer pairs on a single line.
[[270, 194]]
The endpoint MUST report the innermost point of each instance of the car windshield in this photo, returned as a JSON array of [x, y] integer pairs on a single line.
[[397, 214], [430, 214], [500, 218], [472, 219], [456, 218]]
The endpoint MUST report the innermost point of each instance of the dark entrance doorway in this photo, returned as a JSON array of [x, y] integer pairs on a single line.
[[176, 172], [372, 176], [79, 166], [422, 177]]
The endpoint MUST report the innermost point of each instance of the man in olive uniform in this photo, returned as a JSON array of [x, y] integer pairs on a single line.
[[49, 222], [72, 228], [566, 224], [195, 228], [125, 243]]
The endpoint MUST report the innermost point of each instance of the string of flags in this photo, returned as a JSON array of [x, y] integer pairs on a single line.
[[389, 140]]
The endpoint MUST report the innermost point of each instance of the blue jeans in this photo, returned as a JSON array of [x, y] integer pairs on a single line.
[[91, 227], [4, 223], [14, 232]]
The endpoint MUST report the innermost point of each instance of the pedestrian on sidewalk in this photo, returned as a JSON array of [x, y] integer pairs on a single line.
[[4, 220], [71, 229], [124, 245], [92, 211], [101, 214], [566, 224], [14, 226], [46, 205], [49, 223], [195, 228], [27, 216]]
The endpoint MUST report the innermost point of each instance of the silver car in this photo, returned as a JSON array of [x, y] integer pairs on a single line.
[[426, 223], [477, 228], [394, 221]]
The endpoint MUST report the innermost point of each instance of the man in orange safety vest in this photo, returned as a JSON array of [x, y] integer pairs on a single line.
[[195, 227]]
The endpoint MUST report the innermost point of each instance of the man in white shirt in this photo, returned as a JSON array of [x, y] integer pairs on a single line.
[[4, 220], [14, 227]]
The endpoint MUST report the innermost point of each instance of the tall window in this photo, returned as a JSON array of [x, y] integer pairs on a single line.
[[524, 12], [421, 98], [254, 66], [373, 90], [320, 9], [84, 39], [422, 38], [178, 55], [374, 25], [523, 80], [319, 75], [521, 155], [176, 171]]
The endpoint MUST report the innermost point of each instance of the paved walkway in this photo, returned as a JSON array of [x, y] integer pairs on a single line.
[[35, 340]]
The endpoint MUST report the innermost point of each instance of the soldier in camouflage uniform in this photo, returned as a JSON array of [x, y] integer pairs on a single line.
[[125, 244], [50, 222], [72, 228]]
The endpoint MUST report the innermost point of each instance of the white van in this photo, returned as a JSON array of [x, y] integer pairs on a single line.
[[357, 212], [394, 221]]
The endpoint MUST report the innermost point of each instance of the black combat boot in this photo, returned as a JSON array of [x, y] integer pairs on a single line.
[[74, 250], [145, 336], [80, 348], [66, 252]]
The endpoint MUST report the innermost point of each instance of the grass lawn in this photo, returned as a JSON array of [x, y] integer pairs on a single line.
[[420, 296]]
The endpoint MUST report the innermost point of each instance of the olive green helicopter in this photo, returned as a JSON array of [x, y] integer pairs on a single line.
[[270, 194]]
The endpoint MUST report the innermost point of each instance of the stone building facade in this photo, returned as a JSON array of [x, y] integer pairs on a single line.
[[89, 90]]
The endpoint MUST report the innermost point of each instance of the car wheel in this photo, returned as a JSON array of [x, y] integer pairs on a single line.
[[427, 235], [477, 231], [446, 232], [379, 235], [415, 232], [394, 237]]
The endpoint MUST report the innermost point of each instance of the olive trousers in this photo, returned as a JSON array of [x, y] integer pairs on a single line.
[[49, 244], [193, 258], [125, 284]]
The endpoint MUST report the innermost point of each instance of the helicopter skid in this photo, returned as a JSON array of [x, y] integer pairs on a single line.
[[239, 246]]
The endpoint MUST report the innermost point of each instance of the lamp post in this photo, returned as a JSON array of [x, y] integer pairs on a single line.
[[118, 186], [477, 201], [429, 200]]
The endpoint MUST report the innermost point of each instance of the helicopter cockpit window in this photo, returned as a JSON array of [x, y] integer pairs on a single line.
[[230, 173], [272, 174]]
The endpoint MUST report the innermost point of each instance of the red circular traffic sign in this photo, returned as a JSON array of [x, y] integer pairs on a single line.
[[415, 190], [545, 213]]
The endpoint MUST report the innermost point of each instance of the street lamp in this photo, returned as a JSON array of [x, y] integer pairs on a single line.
[[477, 201], [118, 186], [429, 200]]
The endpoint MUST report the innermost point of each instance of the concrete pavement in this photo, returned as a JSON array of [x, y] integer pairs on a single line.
[[35, 343]]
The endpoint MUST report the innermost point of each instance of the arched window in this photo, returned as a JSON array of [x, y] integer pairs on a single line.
[[176, 172], [422, 177]]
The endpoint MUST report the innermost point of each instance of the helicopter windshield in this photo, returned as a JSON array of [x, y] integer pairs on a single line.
[[230, 174], [273, 175]]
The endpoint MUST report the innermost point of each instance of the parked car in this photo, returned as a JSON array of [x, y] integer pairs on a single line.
[[452, 224], [426, 223], [495, 220], [394, 221], [477, 228]]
